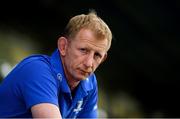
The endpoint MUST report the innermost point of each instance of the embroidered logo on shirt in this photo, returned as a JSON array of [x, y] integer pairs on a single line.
[[59, 77], [79, 107]]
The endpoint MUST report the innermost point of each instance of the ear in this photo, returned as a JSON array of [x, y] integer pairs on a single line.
[[62, 45], [104, 58]]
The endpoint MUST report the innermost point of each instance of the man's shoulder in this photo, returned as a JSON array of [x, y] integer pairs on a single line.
[[35, 59], [32, 64], [34, 67]]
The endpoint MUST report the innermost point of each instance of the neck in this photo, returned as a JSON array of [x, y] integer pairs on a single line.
[[72, 84]]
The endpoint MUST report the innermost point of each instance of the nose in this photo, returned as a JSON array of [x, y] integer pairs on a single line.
[[89, 61]]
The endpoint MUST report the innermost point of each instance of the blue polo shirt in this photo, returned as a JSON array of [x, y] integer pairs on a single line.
[[41, 79]]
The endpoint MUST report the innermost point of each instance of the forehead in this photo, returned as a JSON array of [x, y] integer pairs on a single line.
[[88, 37]]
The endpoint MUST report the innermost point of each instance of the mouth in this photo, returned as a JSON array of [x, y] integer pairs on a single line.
[[85, 73]]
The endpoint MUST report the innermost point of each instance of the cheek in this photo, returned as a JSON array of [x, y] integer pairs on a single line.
[[75, 59], [72, 61]]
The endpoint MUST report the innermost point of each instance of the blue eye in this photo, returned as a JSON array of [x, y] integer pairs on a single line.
[[97, 55], [83, 50]]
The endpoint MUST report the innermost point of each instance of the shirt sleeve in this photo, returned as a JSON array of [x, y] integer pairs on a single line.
[[90, 110], [38, 84]]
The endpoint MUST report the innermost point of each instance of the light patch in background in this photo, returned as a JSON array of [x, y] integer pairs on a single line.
[[15, 46], [124, 105], [5, 68]]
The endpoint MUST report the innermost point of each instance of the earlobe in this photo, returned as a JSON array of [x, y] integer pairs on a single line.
[[62, 45]]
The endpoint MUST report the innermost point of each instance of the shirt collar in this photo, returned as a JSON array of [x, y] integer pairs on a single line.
[[56, 63], [59, 71], [87, 84]]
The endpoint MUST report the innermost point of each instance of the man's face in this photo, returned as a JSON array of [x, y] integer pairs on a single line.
[[83, 54]]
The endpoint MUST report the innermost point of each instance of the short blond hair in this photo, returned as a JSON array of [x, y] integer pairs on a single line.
[[90, 21]]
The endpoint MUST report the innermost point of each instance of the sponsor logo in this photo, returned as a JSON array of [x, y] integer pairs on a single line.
[[79, 107], [59, 77]]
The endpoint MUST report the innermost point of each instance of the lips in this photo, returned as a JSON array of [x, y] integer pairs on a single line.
[[85, 72]]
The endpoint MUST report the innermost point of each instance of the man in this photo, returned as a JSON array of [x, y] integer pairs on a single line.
[[62, 85]]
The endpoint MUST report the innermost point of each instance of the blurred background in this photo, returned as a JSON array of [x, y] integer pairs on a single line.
[[140, 79]]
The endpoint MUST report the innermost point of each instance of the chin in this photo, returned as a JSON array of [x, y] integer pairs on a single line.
[[80, 78]]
